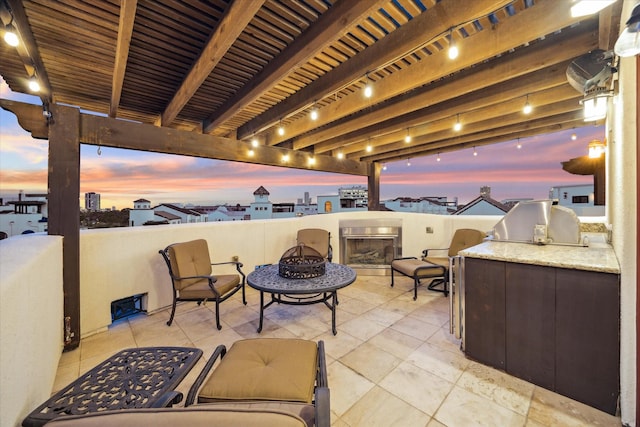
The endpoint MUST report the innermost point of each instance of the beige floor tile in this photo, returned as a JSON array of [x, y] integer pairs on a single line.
[[444, 340], [503, 389], [445, 364], [397, 343], [417, 387], [196, 324], [362, 328], [338, 345], [462, 408], [383, 316], [550, 408], [355, 306], [436, 423], [65, 375], [415, 327], [370, 362], [429, 312], [379, 408], [347, 387], [118, 337], [159, 334], [69, 357]]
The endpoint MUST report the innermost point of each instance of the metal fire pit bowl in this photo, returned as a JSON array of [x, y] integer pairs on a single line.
[[301, 262]]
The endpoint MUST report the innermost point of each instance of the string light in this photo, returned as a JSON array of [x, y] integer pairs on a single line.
[[453, 48], [409, 162], [285, 158], [312, 161], [314, 112], [457, 126], [475, 153], [527, 109], [368, 88], [518, 145], [407, 138], [384, 166], [10, 36], [281, 129], [340, 155], [369, 148], [34, 86], [438, 158], [254, 142], [574, 136], [250, 152]]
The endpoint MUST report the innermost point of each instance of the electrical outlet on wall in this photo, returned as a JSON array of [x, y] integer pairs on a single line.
[[430, 230]]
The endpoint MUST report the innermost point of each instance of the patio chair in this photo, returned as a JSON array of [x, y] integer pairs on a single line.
[[318, 239], [434, 267], [190, 269], [282, 374]]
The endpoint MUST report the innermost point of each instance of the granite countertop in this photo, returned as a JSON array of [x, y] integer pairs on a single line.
[[597, 257]]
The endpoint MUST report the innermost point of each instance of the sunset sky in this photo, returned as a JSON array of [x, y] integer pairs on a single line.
[[122, 176]]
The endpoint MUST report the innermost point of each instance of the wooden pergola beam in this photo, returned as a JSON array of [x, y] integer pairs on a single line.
[[125, 30]]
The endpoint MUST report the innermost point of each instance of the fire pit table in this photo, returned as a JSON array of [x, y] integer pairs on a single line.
[[305, 291]]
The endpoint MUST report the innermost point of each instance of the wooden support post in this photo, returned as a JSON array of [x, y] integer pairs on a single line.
[[64, 210], [374, 186]]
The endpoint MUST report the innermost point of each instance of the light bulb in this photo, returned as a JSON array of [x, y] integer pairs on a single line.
[[280, 130], [574, 136], [11, 38], [285, 158], [34, 86], [368, 91], [341, 155], [369, 148], [438, 158], [407, 138], [251, 153], [453, 51], [254, 142], [475, 153], [314, 114], [384, 167], [408, 162], [312, 160], [457, 126], [527, 109]]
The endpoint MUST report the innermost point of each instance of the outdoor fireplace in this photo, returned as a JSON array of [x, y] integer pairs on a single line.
[[370, 245]]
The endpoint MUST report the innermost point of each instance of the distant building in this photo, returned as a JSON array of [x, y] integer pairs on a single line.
[[92, 202], [580, 198], [482, 205], [261, 208], [431, 205], [355, 198], [26, 215]]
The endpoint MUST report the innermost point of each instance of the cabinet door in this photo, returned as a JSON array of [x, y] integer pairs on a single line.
[[588, 337], [484, 314], [530, 330]]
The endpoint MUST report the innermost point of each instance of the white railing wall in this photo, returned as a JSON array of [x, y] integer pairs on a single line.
[[31, 322]]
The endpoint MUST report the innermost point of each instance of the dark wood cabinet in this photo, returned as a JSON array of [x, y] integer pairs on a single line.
[[555, 327], [484, 319]]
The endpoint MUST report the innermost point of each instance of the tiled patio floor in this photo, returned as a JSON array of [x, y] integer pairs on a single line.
[[393, 362]]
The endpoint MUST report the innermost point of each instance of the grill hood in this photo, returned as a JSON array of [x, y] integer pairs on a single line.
[[540, 222]]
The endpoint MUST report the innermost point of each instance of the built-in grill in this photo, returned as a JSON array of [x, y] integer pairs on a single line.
[[370, 245]]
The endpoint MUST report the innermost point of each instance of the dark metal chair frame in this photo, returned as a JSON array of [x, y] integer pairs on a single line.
[[212, 279], [426, 271]]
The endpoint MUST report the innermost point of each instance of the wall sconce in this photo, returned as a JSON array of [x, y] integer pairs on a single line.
[[588, 7], [628, 44], [595, 103], [596, 149]]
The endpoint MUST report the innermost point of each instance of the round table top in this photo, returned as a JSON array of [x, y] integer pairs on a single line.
[[267, 279]]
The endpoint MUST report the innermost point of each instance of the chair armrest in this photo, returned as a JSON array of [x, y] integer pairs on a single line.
[[237, 264], [425, 253], [322, 395], [219, 352], [168, 399], [211, 278], [404, 257]]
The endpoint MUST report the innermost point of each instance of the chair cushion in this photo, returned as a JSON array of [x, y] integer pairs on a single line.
[[195, 416], [464, 238], [306, 411], [190, 259], [316, 238], [264, 369], [414, 267], [201, 290]]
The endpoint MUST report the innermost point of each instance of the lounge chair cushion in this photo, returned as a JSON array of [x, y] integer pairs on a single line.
[[197, 416], [413, 267], [264, 369]]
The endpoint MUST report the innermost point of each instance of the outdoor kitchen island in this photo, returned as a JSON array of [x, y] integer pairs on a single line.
[[549, 314]]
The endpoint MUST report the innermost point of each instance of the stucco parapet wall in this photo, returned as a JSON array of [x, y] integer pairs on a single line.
[[600, 257]]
